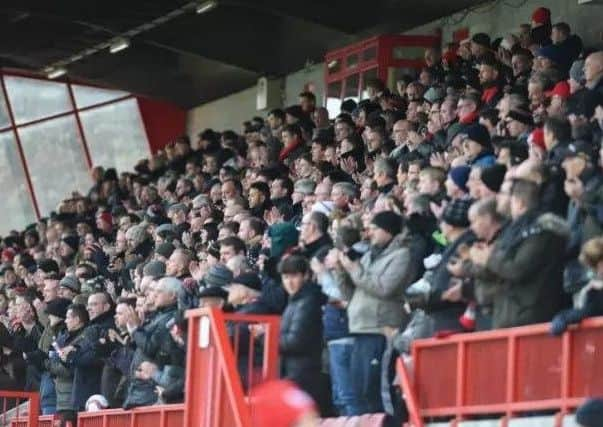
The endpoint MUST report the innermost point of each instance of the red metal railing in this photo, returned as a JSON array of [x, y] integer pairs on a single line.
[[11, 404], [506, 372], [43, 421], [217, 398], [214, 391], [146, 416]]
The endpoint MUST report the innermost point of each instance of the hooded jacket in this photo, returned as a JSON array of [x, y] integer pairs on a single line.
[[375, 289], [528, 258]]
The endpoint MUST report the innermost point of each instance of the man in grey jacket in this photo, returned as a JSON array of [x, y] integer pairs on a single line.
[[373, 287]]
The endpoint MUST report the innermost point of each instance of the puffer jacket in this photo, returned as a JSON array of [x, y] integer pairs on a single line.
[[301, 338], [153, 339], [62, 373], [153, 343], [528, 258], [375, 289]]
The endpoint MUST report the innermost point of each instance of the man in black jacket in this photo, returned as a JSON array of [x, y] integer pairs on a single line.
[[87, 357], [153, 341], [301, 329]]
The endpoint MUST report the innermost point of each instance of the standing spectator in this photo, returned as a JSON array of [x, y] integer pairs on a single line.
[[68, 403], [301, 329], [373, 287]]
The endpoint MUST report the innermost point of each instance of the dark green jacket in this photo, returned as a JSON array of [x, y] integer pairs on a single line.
[[528, 258]]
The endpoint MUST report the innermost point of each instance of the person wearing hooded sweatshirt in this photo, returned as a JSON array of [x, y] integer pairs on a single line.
[[273, 298]]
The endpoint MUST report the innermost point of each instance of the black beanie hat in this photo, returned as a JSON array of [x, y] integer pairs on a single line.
[[590, 414], [58, 307], [388, 221], [479, 134], [72, 241], [493, 176], [481, 39], [48, 266]]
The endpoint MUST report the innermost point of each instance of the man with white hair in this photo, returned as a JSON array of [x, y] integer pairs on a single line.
[[152, 339], [342, 195]]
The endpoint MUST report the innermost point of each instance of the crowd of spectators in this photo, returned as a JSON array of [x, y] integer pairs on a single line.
[[468, 197]]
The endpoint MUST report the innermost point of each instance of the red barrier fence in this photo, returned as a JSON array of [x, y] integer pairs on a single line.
[[506, 372], [147, 416], [221, 348], [11, 405], [43, 421], [215, 362]]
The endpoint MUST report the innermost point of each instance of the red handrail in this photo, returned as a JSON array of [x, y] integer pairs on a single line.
[[33, 411], [145, 416], [217, 398], [214, 393], [507, 372]]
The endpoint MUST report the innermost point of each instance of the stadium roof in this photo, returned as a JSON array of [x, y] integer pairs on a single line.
[[190, 58]]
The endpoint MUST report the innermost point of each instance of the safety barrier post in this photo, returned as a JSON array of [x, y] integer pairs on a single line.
[[410, 396]]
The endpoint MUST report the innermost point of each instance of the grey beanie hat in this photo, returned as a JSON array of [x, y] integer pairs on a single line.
[[155, 269], [70, 282], [434, 94], [218, 275]]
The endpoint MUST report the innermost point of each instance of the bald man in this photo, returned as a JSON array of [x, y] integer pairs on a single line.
[[593, 71]]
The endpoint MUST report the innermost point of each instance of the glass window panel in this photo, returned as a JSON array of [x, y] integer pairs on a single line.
[[352, 60], [55, 159], [17, 210], [115, 135], [334, 98], [4, 118], [408, 52], [33, 99], [351, 87], [369, 53], [366, 76], [86, 96]]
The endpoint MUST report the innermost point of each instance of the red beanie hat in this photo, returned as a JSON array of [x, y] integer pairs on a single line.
[[537, 138], [106, 217], [8, 254], [541, 16], [279, 404], [561, 89]]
